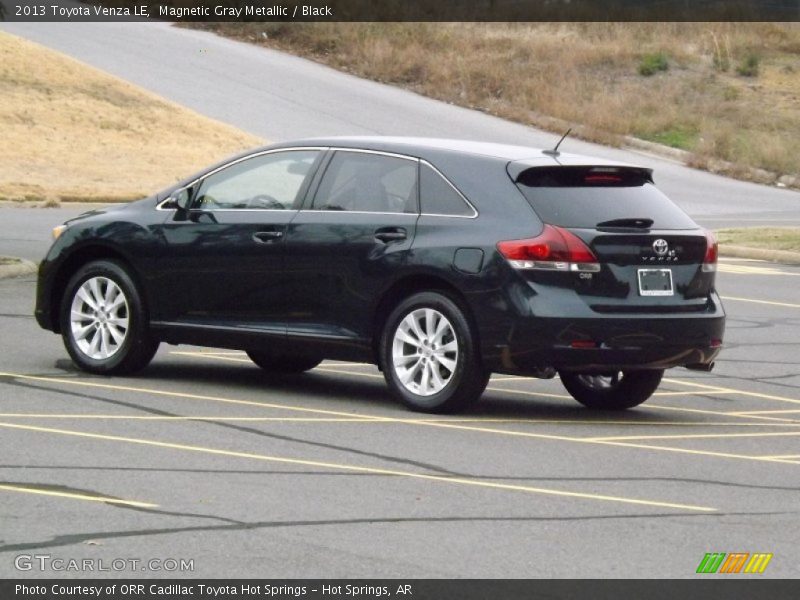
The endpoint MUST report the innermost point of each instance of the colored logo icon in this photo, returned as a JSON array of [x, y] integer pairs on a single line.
[[735, 562]]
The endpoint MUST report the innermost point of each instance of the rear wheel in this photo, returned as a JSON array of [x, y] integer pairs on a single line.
[[274, 363], [429, 355], [103, 320], [612, 391]]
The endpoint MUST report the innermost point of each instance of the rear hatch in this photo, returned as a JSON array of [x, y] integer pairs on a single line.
[[615, 239]]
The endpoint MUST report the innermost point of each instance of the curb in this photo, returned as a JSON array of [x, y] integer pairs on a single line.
[[777, 256], [18, 269]]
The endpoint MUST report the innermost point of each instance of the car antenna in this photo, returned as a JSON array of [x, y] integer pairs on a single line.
[[554, 151]]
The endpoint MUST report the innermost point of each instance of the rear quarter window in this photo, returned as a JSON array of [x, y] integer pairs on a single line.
[[439, 197], [582, 197]]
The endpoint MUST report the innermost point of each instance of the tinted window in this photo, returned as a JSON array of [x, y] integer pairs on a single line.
[[269, 181], [438, 197], [359, 181], [584, 197]]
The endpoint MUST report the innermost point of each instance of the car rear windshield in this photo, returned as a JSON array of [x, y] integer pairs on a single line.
[[585, 197]]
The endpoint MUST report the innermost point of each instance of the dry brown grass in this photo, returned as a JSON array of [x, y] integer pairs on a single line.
[[547, 74], [70, 132], [772, 238]]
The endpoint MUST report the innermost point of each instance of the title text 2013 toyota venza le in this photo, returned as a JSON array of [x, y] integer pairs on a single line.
[[440, 261]]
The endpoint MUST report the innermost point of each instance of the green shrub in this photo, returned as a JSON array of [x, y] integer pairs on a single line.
[[748, 67], [653, 63]]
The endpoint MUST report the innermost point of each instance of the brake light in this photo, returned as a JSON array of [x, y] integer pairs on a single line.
[[555, 249], [712, 252], [602, 179]]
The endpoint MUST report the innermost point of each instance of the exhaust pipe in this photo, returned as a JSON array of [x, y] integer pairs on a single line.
[[706, 367]]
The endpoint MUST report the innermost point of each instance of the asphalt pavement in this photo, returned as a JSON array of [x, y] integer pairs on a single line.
[[204, 458]]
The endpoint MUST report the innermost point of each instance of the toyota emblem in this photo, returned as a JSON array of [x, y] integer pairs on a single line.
[[660, 247]]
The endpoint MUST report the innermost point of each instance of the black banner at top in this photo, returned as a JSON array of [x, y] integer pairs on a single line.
[[400, 10]]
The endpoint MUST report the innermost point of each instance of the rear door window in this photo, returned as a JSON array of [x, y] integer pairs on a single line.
[[583, 197], [368, 182]]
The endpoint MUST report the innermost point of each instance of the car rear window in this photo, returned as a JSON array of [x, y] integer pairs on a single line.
[[586, 196]]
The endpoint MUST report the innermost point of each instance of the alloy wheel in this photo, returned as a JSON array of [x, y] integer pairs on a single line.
[[425, 351], [99, 318]]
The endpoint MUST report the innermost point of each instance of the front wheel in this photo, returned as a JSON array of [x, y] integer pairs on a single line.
[[612, 391], [429, 355], [103, 320]]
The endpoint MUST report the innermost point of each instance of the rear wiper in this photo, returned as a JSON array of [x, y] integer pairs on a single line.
[[629, 223]]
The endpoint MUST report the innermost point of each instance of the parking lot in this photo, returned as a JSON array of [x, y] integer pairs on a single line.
[[203, 458]]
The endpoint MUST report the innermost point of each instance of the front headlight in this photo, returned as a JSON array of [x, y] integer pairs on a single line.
[[57, 231]]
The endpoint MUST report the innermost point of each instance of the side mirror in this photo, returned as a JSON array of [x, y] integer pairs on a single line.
[[180, 199]]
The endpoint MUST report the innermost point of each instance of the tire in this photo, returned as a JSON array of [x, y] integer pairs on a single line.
[[104, 322], [446, 374], [272, 363], [613, 391]]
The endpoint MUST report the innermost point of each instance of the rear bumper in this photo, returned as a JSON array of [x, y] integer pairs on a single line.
[[603, 343]]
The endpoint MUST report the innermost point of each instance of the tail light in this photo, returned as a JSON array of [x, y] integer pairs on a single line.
[[712, 251], [555, 249]]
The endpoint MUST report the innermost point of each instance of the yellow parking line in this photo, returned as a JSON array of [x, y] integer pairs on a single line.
[[392, 420], [734, 391], [335, 369], [720, 413], [347, 372], [389, 420], [361, 469], [767, 302], [224, 357], [753, 270], [184, 418], [74, 496], [684, 393], [765, 412], [695, 436], [188, 396], [579, 440], [782, 456]]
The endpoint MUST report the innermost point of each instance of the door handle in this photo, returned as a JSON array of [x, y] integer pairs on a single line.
[[263, 237], [390, 234]]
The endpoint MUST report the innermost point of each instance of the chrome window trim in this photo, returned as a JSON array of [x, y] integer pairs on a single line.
[[235, 162], [380, 152], [474, 210]]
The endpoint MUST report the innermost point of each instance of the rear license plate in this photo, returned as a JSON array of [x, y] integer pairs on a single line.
[[655, 282]]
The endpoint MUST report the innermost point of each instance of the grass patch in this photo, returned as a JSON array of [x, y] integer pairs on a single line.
[[653, 63], [749, 65], [546, 74], [71, 132], [770, 238], [684, 139], [8, 260]]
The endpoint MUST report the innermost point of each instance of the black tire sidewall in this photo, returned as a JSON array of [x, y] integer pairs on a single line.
[[469, 373], [287, 364], [634, 388], [137, 336]]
